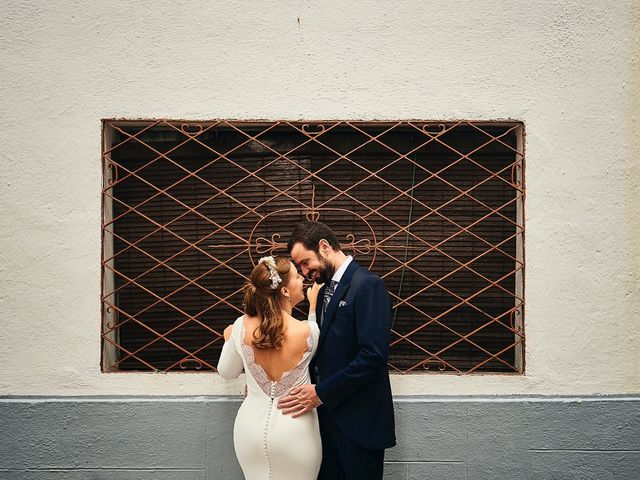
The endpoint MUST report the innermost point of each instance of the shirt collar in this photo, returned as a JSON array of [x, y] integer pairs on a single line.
[[341, 269]]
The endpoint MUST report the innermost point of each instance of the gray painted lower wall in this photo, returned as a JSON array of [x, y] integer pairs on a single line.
[[178, 438]]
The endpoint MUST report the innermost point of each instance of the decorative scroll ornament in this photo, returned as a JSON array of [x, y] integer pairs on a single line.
[[364, 246], [113, 173], [192, 130], [433, 362], [270, 245], [516, 175], [312, 216], [361, 246], [319, 129], [184, 363], [113, 323], [515, 320], [430, 129], [264, 245]]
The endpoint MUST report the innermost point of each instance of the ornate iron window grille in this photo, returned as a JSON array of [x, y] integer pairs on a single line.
[[435, 208]]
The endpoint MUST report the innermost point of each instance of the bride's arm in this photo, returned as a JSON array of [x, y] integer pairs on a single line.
[[312, 296], [230, 363]]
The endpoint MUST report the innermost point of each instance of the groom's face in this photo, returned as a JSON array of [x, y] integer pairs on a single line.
[[314, 266]]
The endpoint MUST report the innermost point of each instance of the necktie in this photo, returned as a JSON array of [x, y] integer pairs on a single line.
[[328, 293]]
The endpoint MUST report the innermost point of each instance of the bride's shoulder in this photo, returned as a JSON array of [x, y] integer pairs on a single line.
[[302, 328], [234, 327], [240, 321], [296, 327]]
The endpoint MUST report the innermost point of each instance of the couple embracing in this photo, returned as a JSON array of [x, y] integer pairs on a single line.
[[318, 399]]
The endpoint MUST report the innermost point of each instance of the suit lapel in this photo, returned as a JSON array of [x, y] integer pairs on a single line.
[[319, 303], [341, 290]]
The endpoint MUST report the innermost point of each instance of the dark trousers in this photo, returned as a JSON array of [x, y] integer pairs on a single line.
[[342, 459]]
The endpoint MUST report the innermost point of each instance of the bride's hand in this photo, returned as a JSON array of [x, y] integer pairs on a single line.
[[227, 332], [312, 296]]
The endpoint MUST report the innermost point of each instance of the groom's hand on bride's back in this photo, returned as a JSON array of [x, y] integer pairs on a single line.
[[300, 400]]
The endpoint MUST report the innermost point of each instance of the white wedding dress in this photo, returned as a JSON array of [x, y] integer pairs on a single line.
[[268, 444]]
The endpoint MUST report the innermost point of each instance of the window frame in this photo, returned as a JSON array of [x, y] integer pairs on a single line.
[[110, 336]]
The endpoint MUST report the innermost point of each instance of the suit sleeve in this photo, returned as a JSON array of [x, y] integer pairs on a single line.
[[372, 311]]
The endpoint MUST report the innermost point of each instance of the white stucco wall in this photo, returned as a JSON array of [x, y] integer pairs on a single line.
[[565, 68]]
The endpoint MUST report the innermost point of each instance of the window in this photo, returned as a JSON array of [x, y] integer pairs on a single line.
[[435, 208]]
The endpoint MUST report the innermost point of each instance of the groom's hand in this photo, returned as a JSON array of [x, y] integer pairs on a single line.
[[300, 400]]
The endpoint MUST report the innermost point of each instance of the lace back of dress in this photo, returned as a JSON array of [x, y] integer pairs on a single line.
[[275, 388]]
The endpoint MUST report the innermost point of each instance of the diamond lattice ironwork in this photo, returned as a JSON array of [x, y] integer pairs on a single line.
[[435, 208]]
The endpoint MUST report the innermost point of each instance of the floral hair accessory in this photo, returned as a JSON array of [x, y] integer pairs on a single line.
[[273, 273]]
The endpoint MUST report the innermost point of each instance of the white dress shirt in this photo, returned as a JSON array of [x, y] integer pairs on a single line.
[[341, 269]]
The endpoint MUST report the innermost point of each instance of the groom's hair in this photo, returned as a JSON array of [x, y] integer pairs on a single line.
[[309, 234]]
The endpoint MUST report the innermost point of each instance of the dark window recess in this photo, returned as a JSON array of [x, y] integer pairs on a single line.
[[435, 208]]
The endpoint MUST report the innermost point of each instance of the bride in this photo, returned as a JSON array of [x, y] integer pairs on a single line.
[[274, 349]]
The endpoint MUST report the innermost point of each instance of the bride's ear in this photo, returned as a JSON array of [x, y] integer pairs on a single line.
[[285, 292]]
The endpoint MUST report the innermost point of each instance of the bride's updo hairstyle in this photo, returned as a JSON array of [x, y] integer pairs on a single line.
[[262, 298]]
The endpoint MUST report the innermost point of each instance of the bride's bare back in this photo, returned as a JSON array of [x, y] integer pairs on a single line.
[[274, 361]]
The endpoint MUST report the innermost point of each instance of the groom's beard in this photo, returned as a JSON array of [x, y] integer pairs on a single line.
[[325, 272]]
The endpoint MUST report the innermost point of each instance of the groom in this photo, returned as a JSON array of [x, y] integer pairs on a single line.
[[351, 382]]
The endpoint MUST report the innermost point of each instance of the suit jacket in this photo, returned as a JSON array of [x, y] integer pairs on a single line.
[[350, 367]]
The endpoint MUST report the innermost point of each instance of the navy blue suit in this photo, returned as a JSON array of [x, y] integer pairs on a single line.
[[350, 367]]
